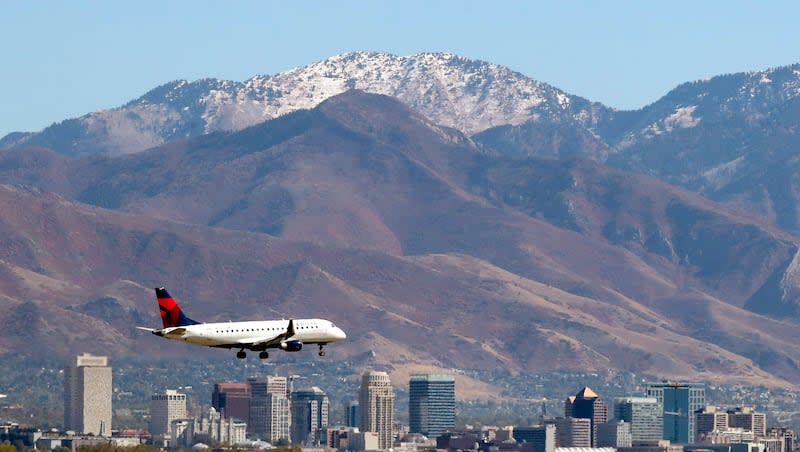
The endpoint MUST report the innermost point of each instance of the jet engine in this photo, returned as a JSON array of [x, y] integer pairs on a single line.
[[292, 346]]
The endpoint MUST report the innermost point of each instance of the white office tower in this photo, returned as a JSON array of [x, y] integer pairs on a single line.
[[166, 407], [87, 395], [376, 403], [270, 417]]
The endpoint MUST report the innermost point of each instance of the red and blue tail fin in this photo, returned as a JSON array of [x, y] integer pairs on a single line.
[[171, 314]]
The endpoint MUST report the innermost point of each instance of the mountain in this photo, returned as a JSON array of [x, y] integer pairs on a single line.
[[409, 235], [450, 90], [731, 138]]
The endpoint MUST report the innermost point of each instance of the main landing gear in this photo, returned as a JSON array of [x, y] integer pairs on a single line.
[[241, 354], [321, 351], [263, 355]]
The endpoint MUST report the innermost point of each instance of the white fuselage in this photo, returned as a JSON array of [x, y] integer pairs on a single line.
[[236, 334]]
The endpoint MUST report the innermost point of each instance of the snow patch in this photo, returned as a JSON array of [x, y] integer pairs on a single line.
[[721, 175], [681, 118]]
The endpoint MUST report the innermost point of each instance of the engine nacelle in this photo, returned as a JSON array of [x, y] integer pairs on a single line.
[[292, 346]]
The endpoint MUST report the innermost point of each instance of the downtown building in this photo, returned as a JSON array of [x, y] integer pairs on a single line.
[[212, 427], [431, 404], [352, 414], [87, 396], [232, 400], [645, 416], [165, 408], [540, 438], [309, 416], [614, 434], [376, 405], [573, 432], [269, 414], [679, 402], [748, 419], [710, 420], [587, 404]]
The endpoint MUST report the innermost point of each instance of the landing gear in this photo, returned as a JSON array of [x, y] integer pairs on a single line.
[[263, 355], [241, 354], [321, 351]]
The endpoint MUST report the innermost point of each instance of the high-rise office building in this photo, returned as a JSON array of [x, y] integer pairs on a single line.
[[587, 404], [710, 419], [679, 402], [309, 416], [376, 404], [540, 438], [269, 415], [87, 395], [351, 414], [164, 408], [784, 434], [431, 404], [573, 432], [614, 434], [747, 418], [644, 414], [232, 400]]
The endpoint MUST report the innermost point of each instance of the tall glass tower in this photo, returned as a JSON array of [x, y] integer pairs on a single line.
[[679, 401], [431, 404], [309, 416]]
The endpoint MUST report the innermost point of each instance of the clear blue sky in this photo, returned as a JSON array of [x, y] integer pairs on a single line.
[[65, 59]]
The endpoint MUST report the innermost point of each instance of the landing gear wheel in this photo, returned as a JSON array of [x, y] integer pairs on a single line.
[[241, 354], [321, 351], [263, 355]]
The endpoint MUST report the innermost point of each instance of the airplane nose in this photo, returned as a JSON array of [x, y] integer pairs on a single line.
[[340, 334]]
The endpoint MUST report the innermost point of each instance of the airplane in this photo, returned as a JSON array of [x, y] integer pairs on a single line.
[[258, 336]]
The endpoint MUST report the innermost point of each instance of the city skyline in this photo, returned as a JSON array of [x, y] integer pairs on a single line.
[[741, 422]]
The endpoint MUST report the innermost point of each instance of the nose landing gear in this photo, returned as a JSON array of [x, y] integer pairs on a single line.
[[321, 351]]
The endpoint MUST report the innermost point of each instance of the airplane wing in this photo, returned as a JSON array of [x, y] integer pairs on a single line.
[[172, 331], [271, 341], [178, 331]]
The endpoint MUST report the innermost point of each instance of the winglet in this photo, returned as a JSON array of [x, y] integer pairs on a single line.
[[290, 329], [171, 314]]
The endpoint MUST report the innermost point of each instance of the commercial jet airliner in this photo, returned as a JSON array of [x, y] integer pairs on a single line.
[[288, 335]]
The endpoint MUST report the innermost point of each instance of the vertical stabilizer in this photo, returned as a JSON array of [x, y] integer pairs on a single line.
[[171, 314]]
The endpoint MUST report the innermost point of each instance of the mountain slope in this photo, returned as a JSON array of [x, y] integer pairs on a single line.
[[411, 227], [410, 311], [732, 138]]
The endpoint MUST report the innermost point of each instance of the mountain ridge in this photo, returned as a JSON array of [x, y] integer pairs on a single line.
[[362, 204]]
